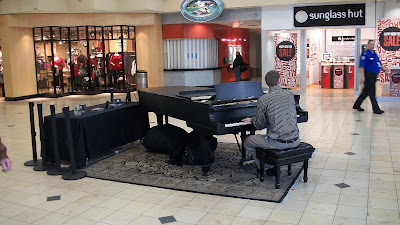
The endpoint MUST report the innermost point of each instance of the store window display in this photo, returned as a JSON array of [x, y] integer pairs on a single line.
[[84, 58]]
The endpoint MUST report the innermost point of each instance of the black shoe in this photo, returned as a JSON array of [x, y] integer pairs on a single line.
[[379, 112], [358, 109]]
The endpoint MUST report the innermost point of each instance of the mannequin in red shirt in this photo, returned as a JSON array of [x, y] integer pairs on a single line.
[[115, 66]]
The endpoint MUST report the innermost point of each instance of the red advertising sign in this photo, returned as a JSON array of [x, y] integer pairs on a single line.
[[338, 78], [351, 76], [388, 46], [395, 82], [286, 59]]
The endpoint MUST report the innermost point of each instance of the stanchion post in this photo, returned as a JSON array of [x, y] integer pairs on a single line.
[[111, 94], [74, 174], [35, 161], [128, 95], [44, 166], [58, 170]]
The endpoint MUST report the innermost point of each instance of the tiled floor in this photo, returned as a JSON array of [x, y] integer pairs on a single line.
[[343, 188]]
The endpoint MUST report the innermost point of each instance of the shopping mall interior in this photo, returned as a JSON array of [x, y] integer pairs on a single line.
[[86, 85]]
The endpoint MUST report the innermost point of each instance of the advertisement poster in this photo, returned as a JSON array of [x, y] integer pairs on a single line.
[[286, 59], [338, 76], [388, 46], [395, 82]]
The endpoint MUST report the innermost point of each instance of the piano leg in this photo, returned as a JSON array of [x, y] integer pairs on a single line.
[[160, 120], [243, 136], [244, 160], [205, 153]]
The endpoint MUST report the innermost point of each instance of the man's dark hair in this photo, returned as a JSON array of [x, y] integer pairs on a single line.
[[272, 78], [370, 40]]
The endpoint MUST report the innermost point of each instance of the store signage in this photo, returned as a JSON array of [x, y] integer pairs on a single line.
[[329, 15], [343, 38], [285, 50], [390, 39], [396, 78], [202, 10], [338, 72], [236, 24]]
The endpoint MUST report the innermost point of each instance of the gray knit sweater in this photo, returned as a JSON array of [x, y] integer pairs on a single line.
[[276, 111]]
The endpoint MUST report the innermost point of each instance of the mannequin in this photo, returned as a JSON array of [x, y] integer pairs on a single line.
[[59, 65], [115, 66], [133, 71], [82, 70]]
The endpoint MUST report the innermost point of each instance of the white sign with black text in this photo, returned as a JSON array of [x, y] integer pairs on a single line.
[[329, 15]]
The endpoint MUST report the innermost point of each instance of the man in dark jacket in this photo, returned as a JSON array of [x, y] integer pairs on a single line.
[[236, 66]]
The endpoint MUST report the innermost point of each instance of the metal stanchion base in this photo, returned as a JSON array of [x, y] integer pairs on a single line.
[[33, 163], [44, 168], [74, 176], [61, 171]]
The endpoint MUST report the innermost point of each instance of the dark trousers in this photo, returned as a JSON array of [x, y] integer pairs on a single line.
[[114, 79], [368, 90], [237, 73]]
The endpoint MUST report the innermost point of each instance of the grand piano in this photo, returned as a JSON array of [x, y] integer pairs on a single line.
[[209, 111]]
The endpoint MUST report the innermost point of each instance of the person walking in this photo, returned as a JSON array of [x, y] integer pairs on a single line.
[[370, 65], [236, 66], [5, 162]]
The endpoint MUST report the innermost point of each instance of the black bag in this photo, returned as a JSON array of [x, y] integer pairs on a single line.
[[166, 139], [192, 153], [243, 67]]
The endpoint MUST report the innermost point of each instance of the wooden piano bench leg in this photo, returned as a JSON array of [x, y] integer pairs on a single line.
[[278, 177], [261, 171], [289, 169], [305, 165]]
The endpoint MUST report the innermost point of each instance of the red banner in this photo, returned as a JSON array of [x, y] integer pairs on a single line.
[[387, 57], [338, 76], [395, 82], [286, 59]]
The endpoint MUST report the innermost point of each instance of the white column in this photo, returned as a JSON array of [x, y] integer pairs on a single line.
[[303, 60], [357, 61]]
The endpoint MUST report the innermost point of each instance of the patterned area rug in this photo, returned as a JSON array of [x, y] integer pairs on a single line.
[[226, 178]]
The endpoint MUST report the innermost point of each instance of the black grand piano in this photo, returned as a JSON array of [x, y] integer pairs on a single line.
[[209, 111]]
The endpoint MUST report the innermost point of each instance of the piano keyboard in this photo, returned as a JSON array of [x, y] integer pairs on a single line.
[[236, 124]]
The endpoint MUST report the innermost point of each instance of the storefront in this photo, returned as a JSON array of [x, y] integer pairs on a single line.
[[203, 54], [321, 44], [55, 55], [84, 58]]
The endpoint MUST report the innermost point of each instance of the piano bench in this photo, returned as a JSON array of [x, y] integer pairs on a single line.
[[278, 158]]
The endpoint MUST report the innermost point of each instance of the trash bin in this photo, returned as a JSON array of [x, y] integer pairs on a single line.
[[141, 79]]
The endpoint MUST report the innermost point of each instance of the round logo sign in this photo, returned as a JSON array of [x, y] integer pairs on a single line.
[[301, 16], [285, 50], [390, 39], [202, 10], [396, 78], [338, 72]]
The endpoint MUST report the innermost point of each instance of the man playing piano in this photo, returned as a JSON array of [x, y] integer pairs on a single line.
[[276, 111]]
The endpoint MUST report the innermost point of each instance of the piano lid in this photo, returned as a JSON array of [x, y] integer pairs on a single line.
[[238, 91]]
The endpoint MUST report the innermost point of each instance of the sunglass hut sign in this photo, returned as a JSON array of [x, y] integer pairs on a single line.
[[329, 15]]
